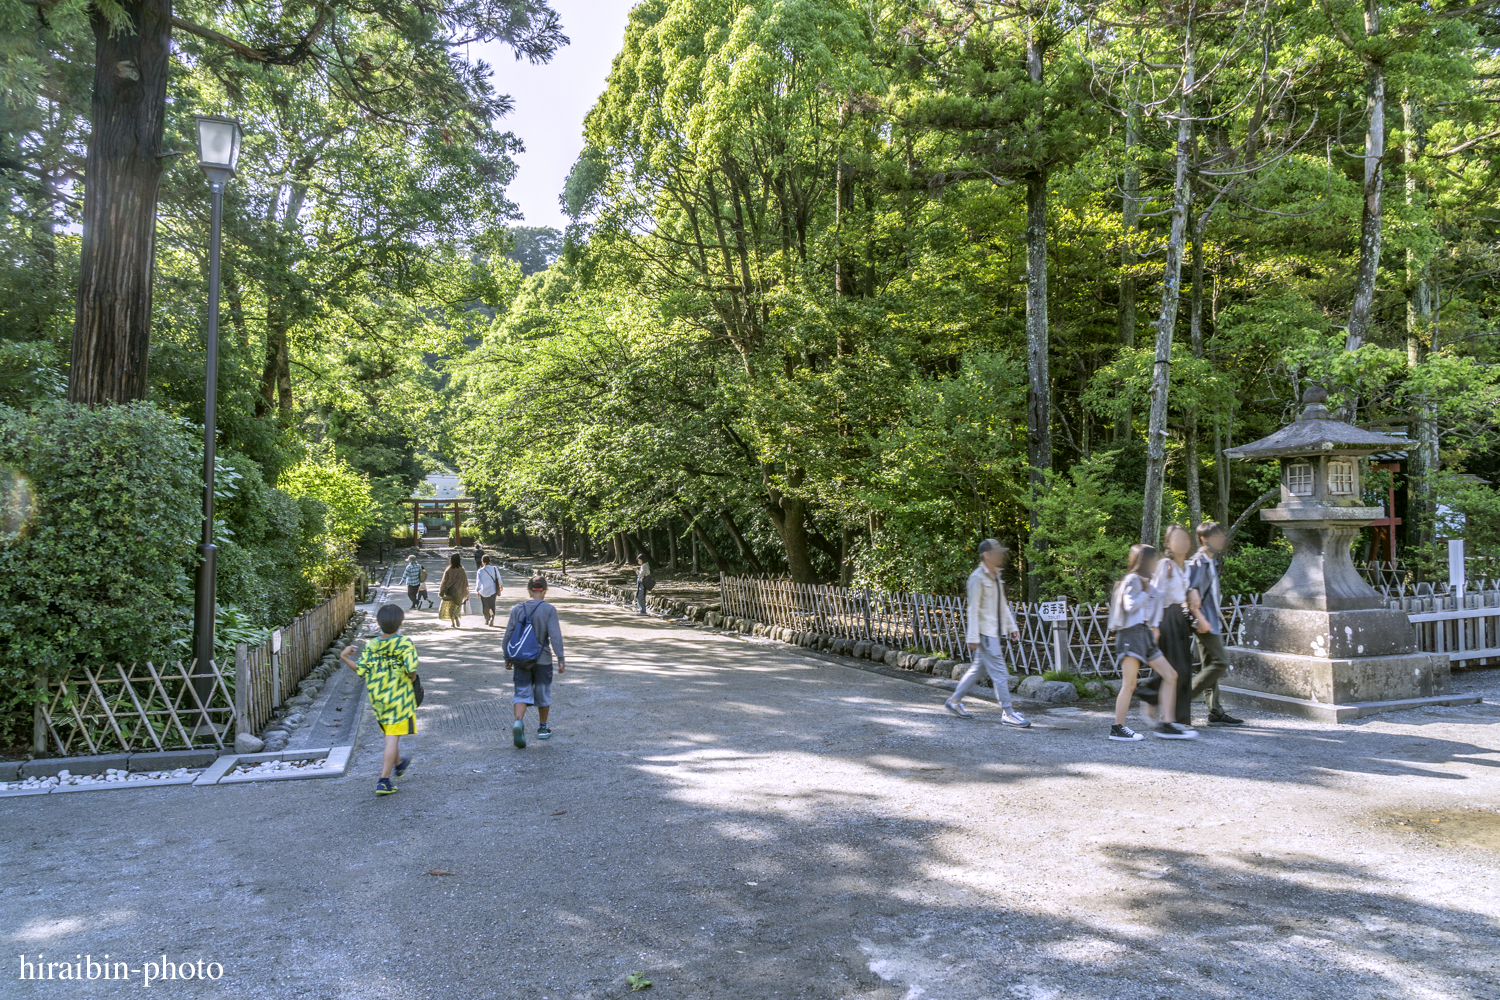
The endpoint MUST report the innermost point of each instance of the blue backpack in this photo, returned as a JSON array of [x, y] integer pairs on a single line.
[[523, 649]]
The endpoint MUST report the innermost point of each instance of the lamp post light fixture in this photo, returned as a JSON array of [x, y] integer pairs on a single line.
[[218, 152]]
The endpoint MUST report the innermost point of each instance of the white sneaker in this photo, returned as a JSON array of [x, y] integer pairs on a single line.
[[1016, 719]]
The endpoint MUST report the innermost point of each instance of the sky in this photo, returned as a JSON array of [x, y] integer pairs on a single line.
[[551, 100]]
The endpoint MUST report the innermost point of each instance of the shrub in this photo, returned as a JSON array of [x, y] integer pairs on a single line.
[[1081, 541], [1250, 569], [351, 506], [98, 565]]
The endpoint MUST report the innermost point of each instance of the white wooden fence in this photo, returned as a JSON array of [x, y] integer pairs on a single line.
[[123, 708], [934, 625]]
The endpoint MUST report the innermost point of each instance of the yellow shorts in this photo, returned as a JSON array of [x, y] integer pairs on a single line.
[[406, 727]]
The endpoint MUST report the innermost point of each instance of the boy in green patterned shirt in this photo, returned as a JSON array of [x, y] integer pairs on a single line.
[[389, 666]]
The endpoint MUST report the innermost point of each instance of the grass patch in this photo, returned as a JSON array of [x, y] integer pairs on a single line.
[[1079, 683]]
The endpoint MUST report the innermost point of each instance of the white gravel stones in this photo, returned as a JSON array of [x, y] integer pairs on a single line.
[[277, 766], [113, 776]]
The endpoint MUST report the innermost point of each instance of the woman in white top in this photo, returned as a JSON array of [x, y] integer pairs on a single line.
[[1134, 612], [1174, 626]]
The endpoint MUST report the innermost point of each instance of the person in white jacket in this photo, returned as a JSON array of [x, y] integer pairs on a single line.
[[1135, 616], [989, 618]]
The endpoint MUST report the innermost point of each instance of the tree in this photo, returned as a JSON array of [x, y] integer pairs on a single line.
[[391, 63]]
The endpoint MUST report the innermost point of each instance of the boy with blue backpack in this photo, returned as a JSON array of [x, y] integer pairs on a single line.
[[530, 631]]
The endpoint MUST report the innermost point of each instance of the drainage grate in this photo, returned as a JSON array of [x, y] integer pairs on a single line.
[[475, 718]]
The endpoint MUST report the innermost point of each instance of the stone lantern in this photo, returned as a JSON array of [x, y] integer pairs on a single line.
[[1323, 643]]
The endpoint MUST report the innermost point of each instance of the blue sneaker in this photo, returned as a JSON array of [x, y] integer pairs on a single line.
[[385, 787], [400, 768], [518, 734], [543, 731]]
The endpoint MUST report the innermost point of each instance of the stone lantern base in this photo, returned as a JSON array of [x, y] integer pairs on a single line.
[[1334, 666]]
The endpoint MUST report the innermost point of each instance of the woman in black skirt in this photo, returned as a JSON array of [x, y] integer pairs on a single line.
[[1175, 623]]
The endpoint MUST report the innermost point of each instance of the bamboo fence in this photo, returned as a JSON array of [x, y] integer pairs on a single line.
[[147, 706], [934, 624]]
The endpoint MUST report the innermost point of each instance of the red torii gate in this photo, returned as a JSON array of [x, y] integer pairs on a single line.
[[437, 507]]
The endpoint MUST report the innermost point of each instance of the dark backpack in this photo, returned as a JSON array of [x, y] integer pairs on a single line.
[[523, 648]]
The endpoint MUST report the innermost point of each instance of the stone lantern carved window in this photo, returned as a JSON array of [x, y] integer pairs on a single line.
[[1341, 478], [1299, 479]]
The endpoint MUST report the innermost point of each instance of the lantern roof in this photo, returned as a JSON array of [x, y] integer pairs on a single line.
[[1318, 432]]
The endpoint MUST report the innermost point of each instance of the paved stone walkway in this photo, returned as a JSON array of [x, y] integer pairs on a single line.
[[734, 819]]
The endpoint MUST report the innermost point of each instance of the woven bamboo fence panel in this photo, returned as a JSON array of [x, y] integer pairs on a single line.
[[122, 708]]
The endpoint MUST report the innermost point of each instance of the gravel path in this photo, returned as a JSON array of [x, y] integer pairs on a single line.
[[733, 819]]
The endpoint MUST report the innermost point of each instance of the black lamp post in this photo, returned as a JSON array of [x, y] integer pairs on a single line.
[[218, 151]]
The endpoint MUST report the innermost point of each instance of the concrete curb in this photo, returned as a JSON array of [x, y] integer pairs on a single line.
[[221, 772], [143, 760]]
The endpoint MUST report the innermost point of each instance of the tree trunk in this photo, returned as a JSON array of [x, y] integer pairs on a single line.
[[671, 547], [1421, 461], [846, 560], [1156, 438], [1221, 468], [746, 553], [1130, 216], [1039, 386], [1363, 306], [708, 546], [642, 540], [1190, 417], [112, 321], [276, 370], [790, 518]]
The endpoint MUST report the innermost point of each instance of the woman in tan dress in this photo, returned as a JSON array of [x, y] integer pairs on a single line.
[[453, 591]]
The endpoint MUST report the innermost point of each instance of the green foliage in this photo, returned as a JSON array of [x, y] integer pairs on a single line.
[[338, 487], [1251, 569], [98, 565], [271, 546], [1082, 535]]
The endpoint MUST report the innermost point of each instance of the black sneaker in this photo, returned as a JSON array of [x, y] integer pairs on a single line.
[[1175, 731], [1224, 719], [400, 768], [384, 787], [543, 731], [1124, 733]]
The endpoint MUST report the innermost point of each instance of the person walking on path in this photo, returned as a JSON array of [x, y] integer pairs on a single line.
[[453, 591], [642, 574], [1173, 619], [389, 666], [411, 575], [1133, 608], [1205, 598], [487, 586], [478, 555], [532, 635], [989, 618], [423, 597]]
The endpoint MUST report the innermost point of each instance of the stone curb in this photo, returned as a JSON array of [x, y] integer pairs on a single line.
[[145, 760], [186, 779], [219, 774]]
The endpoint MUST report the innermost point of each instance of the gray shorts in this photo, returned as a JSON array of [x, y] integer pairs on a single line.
[[1135, 641], [533, 687]]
